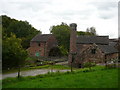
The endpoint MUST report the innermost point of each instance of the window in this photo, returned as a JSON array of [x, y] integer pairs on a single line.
[[93, 51]]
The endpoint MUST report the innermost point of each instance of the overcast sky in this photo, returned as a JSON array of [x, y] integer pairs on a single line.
[[42, 14]]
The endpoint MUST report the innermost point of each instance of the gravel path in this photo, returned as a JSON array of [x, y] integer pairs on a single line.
[[31, 72]]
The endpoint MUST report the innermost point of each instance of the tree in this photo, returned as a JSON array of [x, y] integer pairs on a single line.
[[22, 30], [13, 53], [84, 33], [62, 34], [87, 30], [91, 31], [81, 33]]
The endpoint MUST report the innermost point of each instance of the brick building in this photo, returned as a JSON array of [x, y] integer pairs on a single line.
[[41, 45], [90, 48]]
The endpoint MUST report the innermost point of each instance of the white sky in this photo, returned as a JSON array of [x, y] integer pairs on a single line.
[[42, 14]]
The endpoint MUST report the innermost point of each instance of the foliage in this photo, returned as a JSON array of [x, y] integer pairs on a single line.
[[111, 66], [63, 50], [84, 33], [40, 67], [89, 64], [98, 79], [0, 39], [14, 44], [30, 59], [13, 53], [49, 66], [91, 31], [62, 34], [55, 52], [22, 30]]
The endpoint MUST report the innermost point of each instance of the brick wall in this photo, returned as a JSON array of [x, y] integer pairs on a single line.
[[42, 47], [52, 42], [37, 47], [73, 38]]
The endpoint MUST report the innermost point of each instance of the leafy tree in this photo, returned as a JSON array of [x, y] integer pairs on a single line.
[[0, 44], [84, 33], [91, 31], [63, 50], [55, 52], [62, 34], [13, 53], [81, 33], [22, 29]]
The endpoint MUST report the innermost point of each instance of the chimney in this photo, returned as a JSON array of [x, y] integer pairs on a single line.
[[73, 37]]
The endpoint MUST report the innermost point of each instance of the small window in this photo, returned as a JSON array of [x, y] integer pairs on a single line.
[[93, 51], [39, 44]]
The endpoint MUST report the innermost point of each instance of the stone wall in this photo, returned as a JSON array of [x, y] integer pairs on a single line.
[[87, 55], [112, 56]]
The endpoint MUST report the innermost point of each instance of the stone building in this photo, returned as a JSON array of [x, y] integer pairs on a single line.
[[42, 44], [97, 49]]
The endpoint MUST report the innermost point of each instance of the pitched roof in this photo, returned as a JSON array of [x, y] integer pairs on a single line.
[[107, 49], [112, 43], [81, 48], [41, 37], [85, 39]]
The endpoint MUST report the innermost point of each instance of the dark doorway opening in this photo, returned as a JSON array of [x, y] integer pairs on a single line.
[[55, 52]]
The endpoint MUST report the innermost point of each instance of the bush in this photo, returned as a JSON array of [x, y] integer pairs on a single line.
[[89, 65], [30, 61], [111, 66]]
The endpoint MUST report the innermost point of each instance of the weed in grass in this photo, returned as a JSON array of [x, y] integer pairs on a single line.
[[40, 76], [67, 72], [48, 73], [40, 80]]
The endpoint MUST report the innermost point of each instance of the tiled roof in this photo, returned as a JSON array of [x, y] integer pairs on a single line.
[[81, 48], [41, 37], [92, 39], [112, 43], [107, 49]]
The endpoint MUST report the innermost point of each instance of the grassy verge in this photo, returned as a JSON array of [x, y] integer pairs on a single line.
[[51, 66], [97, 78]]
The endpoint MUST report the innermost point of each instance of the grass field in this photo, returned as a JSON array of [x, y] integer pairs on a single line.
[[83, 78]]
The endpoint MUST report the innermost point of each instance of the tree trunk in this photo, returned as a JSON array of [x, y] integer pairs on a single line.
[[19, 71], [71, 67]]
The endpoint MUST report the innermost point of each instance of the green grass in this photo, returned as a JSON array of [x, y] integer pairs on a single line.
[[97, 78], [51, 66]]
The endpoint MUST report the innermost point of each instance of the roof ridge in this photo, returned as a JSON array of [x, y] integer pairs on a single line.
[[41, 37]]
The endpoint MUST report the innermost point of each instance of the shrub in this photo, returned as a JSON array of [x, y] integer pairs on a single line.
[[111, 66], [89, 65]]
